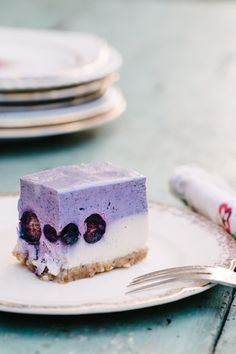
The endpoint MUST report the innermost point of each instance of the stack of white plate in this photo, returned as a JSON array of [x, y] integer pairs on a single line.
[[54, 82]]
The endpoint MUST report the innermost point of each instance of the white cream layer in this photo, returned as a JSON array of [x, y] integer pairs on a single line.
[[122, 237]]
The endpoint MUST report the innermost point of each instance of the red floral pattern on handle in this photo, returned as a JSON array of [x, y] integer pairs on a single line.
[[225, 212]]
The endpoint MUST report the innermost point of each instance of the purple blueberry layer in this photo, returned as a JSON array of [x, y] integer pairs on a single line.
[[71, 194], [66, 178]]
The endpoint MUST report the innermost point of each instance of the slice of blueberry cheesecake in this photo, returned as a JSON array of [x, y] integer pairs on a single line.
[[76, 221]]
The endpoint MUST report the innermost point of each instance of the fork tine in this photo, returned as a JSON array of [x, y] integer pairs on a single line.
[[163, 274], [169, 271], [152, 278], [150, 286], [160, 280]]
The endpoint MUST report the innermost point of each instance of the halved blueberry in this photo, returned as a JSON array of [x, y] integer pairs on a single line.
[[70, 234], [96, 227], [50, 233], [29, 228]]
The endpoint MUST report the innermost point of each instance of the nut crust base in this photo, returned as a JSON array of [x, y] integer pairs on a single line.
[[86, 270]]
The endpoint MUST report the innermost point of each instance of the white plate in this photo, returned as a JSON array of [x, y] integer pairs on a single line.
[[66, 128], [61, 113], [176, 238], [69, 58], [12, 98], [7, 109]]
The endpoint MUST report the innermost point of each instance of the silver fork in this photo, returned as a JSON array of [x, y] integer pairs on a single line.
[[213, 274]]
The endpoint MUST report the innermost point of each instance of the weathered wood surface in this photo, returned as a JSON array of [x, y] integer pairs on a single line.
[[179, 78], [227, 340]]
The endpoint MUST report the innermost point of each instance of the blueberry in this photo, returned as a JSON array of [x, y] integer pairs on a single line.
[[29, 228], [96, 228], [50, 233], [70, 234]]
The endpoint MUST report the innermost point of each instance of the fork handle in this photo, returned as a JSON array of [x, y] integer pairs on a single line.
[[219, 276]]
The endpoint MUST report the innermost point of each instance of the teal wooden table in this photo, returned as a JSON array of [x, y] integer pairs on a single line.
[[179, 78]]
